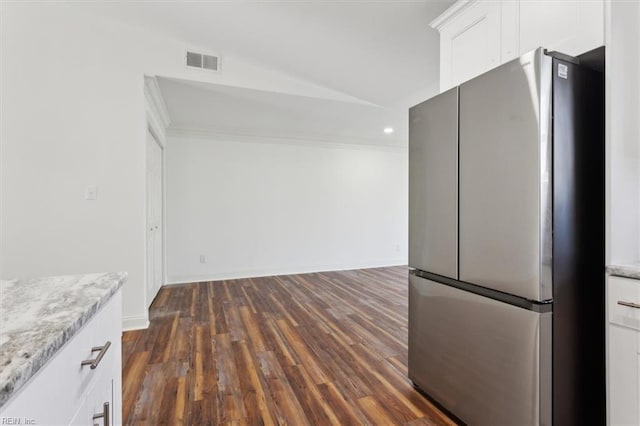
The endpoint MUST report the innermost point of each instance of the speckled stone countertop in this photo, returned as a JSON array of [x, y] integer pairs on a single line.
[[38, 316], [631, 270]]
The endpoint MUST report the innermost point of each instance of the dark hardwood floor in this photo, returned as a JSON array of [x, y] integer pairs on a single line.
[[312, 349]]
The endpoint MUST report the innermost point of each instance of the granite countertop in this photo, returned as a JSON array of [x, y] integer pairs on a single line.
[[631, 270], [39, 315]]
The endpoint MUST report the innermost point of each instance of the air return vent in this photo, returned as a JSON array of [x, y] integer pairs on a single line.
[[202, 61]]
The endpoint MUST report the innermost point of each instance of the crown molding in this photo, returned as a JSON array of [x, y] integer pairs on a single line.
[[242, 135], [157, 113], [454, 10]]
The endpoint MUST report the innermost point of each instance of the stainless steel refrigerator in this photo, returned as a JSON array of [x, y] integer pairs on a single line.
[[506, 244]]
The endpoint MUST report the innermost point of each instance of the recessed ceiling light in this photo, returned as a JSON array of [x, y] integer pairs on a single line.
[[388, 130]]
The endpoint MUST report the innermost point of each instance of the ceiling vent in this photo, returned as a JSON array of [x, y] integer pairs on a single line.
[[202, 61]]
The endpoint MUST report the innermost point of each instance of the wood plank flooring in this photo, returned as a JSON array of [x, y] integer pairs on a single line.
[[314, 349]]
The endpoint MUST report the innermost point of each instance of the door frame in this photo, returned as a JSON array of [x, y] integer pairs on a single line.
[[157, 123]]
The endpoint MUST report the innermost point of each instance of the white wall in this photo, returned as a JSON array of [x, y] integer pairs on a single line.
[[261, 207], [623, 131], [72, 116]]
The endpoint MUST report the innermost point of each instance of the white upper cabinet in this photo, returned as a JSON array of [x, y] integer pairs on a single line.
[[571, 27], [477, 35], [469, 42]]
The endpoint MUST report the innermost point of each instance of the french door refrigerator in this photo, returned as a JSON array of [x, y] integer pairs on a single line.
[[506, 244]]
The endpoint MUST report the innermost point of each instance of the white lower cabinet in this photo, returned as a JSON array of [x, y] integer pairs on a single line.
[[624, 351], [98, 407], [100, 403], [63, 392]]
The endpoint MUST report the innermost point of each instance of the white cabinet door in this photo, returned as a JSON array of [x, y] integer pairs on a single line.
[[623, 376], [568, 26], [100, 403], [623, 351], [470, 44], [93, 404], [80, 418]]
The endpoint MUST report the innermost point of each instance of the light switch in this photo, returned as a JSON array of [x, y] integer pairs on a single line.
[[91, 193]]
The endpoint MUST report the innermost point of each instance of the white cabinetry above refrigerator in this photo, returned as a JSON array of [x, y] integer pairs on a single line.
[[476, 35]]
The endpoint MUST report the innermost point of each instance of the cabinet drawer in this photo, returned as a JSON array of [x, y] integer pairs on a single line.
[[624, 302], [55, 393]]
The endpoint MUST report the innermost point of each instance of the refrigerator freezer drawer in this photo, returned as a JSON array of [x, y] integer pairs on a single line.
[[487, 362], [433, 185]]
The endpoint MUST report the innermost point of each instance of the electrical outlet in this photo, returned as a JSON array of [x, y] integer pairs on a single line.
[[91, 193], [203, 258], [398, 248]]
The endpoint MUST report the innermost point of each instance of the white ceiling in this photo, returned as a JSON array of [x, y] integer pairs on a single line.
[[382, 52], [213, 108]]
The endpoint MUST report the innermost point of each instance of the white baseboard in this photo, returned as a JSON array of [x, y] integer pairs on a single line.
[[184, 279], [138, 322]]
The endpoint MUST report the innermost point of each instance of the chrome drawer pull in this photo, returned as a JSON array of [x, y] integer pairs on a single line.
[[629, 304], [94, 362], [104, 415]]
